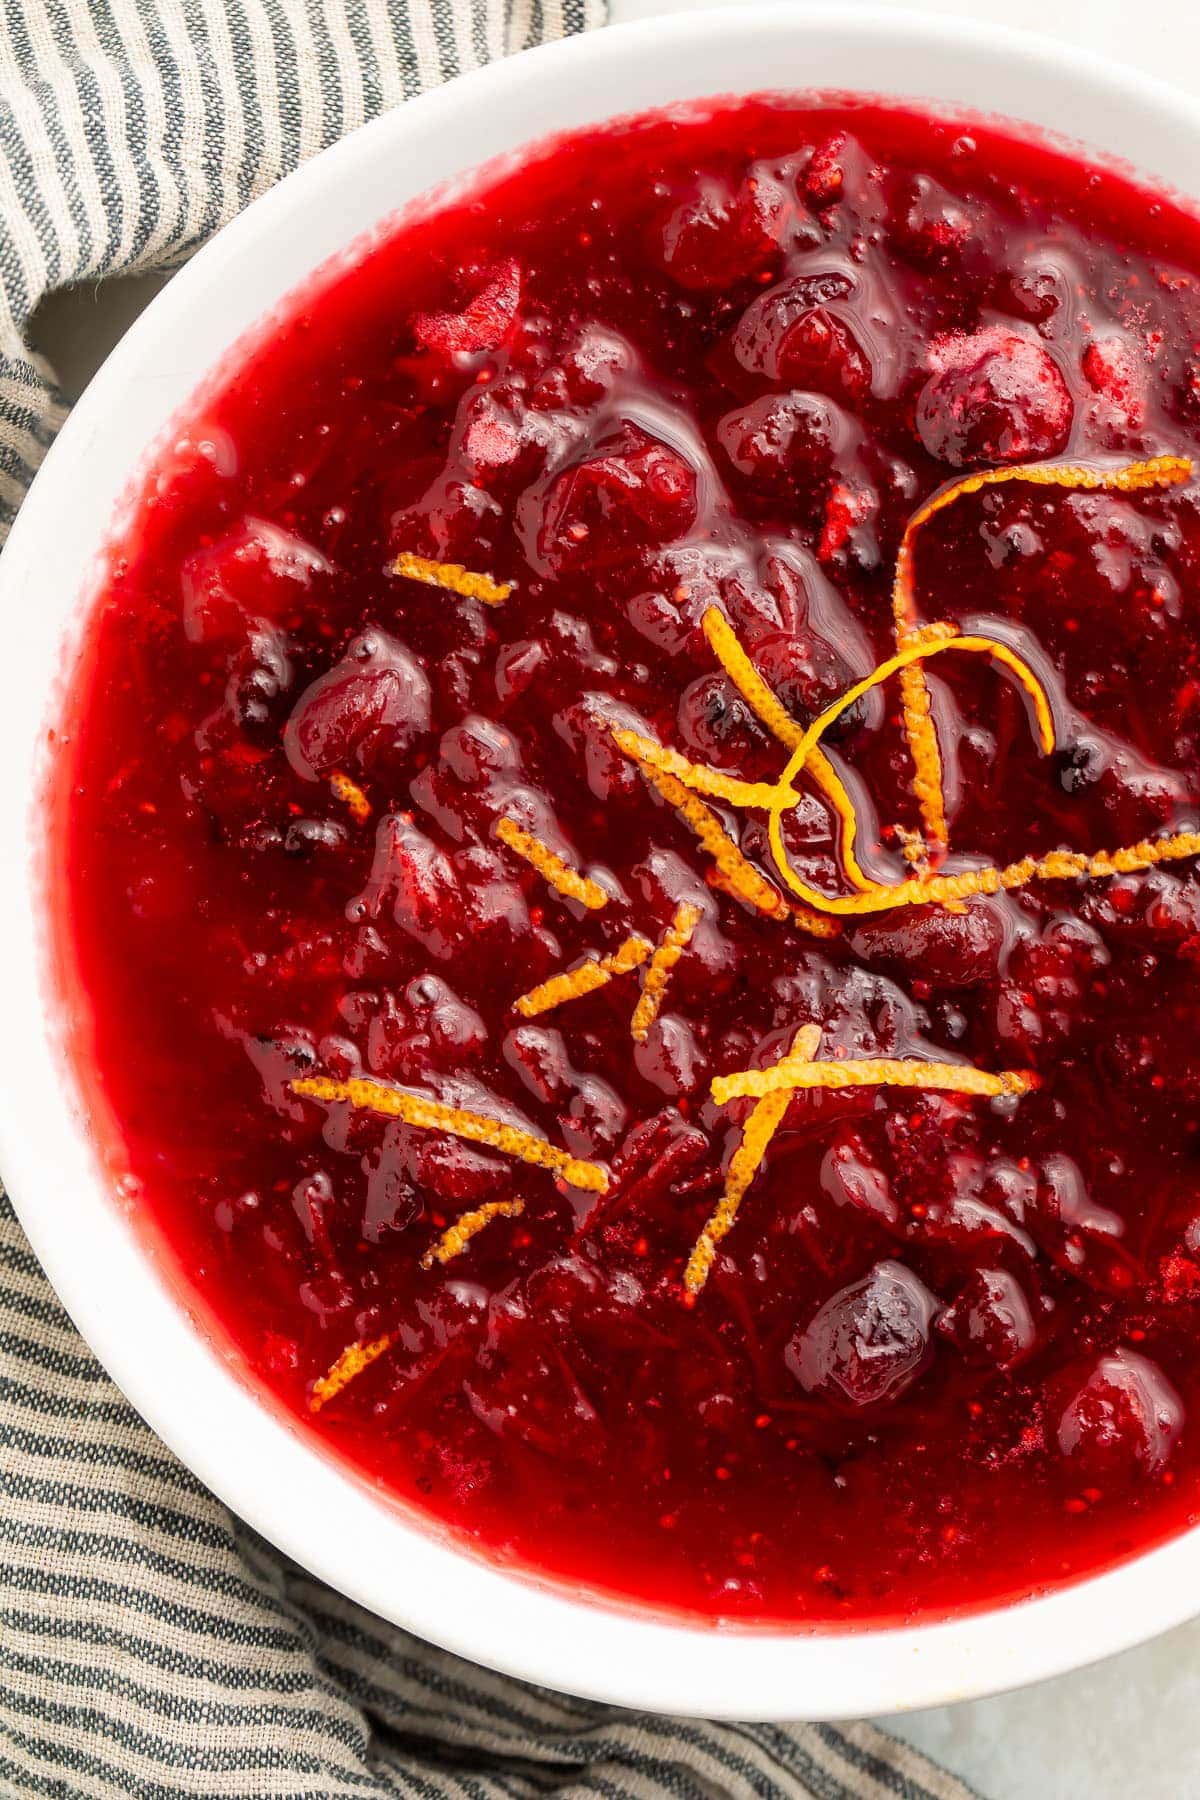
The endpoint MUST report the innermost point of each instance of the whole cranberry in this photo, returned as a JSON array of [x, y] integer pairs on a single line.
[[948, 950], [869, 1342], [994, 396], [782, 439]]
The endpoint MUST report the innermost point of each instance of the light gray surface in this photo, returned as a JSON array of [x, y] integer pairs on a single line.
[[1128, 1726]]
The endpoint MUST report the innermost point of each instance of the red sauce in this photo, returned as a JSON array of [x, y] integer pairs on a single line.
[[948, 1353]]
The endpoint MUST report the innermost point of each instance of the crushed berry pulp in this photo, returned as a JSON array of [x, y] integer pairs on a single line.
[[711, 363]]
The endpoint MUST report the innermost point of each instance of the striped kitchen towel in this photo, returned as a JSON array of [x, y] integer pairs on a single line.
[[150, 1645]]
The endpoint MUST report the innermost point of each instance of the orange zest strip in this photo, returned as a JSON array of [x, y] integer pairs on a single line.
[[923, 646], [590, 975], [671, 946], [887, 1071], [351, 796], [1157, 472], [431, 1115], [350, 1363], [697, 776], [453, 577], [560, 875], [916, 708], [727, 647], [760, 1128], [733, 658], [734, 873], [1058, 865], [456, 1237]]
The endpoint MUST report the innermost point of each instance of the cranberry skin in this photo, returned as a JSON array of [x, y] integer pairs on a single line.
[[484, 322], [995, 396], [1123, 1422], [630, 494], [948, 950], [869, 1343], [790, 334], [782, 439], [991, 1320], [377, 696]]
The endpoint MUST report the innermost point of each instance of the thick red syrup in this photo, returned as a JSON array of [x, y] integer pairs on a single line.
[[949, 1351]]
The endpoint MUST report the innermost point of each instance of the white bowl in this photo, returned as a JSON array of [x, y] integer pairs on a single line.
[[182, 1381]]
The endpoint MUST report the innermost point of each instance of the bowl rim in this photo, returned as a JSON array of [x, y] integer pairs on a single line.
[[255, 1460]]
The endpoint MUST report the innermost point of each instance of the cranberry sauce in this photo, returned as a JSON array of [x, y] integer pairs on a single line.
[[949, 1350]]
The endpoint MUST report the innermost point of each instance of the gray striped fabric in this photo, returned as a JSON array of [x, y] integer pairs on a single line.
[[150, 1645]]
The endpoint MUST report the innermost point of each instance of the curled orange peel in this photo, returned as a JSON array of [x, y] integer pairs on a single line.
[[453, 577], [770, 710], [456, 1237], [759, 1129], [478, 1128], [554, 871], [671, 946], [353, 1360], [921, 649], [1156, 472]]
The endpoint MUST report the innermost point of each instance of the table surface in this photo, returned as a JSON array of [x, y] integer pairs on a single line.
[[1125, 1726]]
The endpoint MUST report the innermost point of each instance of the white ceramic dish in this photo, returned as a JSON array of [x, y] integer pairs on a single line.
[[182, 1383]]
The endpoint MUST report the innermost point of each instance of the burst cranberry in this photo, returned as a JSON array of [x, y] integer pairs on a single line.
[[793, 334], [1118, 379], [930, 224], [991, 1319], [484, 322], [807, 674], [715, 723], [258, 568], [718, 234], [377, 697], [851, 1176], [994, 396], [1123, 1422], [628, 494], [416, 883]]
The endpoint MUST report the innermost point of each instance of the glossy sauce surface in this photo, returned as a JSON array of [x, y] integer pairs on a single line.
[[948, 1352]]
